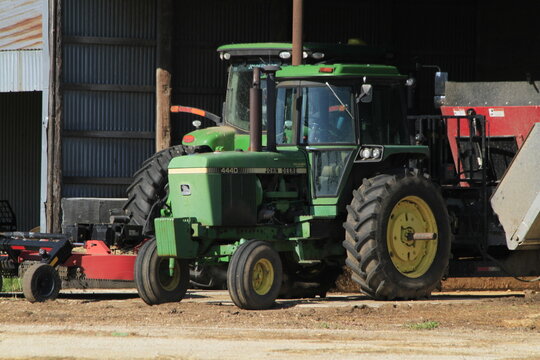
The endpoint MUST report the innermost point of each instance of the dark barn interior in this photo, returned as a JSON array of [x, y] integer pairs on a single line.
[[472, 40]]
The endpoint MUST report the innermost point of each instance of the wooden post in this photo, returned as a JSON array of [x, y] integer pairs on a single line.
[[53, 210], [163, 75], [297, 46]]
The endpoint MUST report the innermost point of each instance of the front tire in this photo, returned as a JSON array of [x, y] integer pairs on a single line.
[[254, 276], [156, 283], [386, 210]]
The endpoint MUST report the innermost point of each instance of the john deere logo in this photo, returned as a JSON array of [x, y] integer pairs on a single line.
[[185, 189]]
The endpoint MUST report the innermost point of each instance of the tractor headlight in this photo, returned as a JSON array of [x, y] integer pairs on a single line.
[[366, 153], [285, 55], [370, 153], [317, 55]]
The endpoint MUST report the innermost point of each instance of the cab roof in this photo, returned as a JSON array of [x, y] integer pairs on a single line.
[[332, 52], [338, 70]]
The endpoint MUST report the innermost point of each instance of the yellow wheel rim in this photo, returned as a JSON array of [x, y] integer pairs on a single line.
[[167, 281], [263, 276], [411, 258]]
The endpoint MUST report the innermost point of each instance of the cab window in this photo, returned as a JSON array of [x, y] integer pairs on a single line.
[[382, 119]]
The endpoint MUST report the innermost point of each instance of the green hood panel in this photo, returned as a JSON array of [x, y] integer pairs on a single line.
[[240, 160], [214, 137]]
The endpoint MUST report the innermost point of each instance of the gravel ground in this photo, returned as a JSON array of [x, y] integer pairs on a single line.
[[206, 325]]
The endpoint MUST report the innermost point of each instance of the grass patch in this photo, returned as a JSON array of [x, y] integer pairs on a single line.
[[425, 325], [11, 284]]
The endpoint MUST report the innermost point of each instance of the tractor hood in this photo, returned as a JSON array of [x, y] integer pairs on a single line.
[[234, 161], [224, 188]]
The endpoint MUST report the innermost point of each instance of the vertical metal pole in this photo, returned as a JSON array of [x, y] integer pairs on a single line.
[[255, 110], [471, 149], [458, 148], [163, 75], [297, 46], [485, 224]]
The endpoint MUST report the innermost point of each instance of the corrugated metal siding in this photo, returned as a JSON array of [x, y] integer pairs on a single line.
[[20, 24], [108, 85], [110, 18], [108, 111], [20, 148], [21, 70], [105, 64], [103, 158]]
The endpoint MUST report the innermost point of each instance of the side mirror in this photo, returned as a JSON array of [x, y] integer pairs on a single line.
[[366, 94]]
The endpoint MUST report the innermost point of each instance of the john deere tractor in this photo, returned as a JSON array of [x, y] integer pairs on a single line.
[[335, 182], [148, 193]]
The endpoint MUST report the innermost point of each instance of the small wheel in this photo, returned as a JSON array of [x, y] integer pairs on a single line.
[[385, 213], [41, 282], [160, 279], [254, 276]]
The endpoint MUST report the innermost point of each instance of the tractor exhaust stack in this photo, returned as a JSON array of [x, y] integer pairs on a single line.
[[297, 25], [255, 109], [271, 107]]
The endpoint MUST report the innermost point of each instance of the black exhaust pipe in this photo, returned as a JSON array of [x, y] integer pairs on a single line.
[[255, 109], [271, 107]]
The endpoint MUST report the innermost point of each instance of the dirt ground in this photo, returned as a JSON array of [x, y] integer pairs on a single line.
[[206, 325]]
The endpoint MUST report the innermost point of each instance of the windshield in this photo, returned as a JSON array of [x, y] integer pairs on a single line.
[[324, 110], [236, 112]]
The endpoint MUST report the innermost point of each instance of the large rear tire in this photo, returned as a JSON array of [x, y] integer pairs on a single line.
[[254, 276], [41, 282], [385, 211], [149, 190], [156, 282]]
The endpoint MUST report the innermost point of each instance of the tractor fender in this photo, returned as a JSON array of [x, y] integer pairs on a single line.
[[217, 138]]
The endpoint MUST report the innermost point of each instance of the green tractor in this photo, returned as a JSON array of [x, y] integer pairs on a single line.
[[337, 183], [148, 193]]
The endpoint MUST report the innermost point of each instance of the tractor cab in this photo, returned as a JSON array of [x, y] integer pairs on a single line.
[[343, 117], [242, 59]]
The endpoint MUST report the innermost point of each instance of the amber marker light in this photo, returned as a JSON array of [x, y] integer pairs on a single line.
[[327, 70], [188, 139]]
